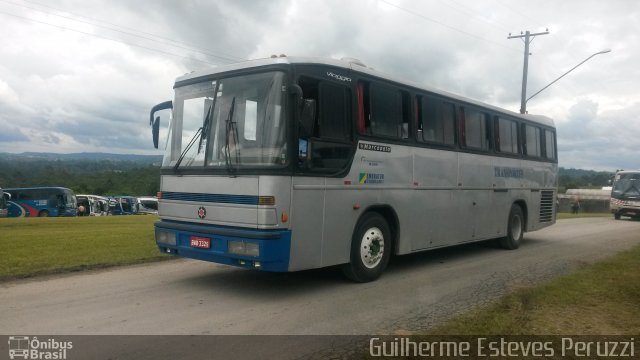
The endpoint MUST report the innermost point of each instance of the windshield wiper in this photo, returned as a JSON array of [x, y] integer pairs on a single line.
[[233, 129], [186, 149], [200, 133], [206, 125]]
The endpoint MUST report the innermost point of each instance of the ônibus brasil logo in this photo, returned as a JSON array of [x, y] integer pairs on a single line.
[[24, 347]]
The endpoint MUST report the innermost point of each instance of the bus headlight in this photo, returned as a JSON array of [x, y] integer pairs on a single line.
[[244, 248], [168, 238]]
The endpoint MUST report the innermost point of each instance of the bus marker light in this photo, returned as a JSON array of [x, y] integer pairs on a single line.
[[356, 206], [266, 200], [347, 182], [284, 217]]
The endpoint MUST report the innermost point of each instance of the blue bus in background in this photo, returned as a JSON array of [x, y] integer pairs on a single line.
[[42, 202], [4, 202]]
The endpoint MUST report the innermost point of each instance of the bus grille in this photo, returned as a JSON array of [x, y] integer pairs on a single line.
[[213, 198], [546, 206]]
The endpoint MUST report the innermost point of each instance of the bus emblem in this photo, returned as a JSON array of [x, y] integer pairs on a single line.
[[202, 212]]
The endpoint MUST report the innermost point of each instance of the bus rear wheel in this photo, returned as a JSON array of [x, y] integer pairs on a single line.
[[43, 213], [370, 249], [515, 229]]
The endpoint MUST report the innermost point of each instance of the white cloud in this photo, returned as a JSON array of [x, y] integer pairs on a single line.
[[62, 90]]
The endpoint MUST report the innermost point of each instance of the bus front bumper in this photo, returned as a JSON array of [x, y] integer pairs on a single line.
[[257, 249]]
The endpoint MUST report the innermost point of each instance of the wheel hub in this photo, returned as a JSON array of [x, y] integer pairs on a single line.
[[372, 247]]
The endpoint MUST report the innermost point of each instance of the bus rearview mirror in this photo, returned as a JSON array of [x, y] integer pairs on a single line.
[[155, 131], [155, 123]]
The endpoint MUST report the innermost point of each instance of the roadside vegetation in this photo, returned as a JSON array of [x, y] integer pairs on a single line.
[[36, 246], [602, 298]]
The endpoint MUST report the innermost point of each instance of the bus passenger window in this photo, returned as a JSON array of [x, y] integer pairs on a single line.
[[437, 119], [476, 132], [550, 145], [532, 141], [507, 140], [386, 111]]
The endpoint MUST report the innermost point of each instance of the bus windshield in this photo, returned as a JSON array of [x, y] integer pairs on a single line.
[[229, 123], [626, 186]]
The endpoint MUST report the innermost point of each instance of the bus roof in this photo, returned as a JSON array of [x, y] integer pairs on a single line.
[[359, 67]]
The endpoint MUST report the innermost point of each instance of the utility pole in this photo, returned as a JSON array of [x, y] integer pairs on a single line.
[[528, 38]]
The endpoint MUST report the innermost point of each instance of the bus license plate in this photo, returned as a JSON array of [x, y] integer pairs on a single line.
[[200, 242]]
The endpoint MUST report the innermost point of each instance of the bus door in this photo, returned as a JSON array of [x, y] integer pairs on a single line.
[[324, 148]]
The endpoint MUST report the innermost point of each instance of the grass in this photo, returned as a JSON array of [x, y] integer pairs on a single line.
[[36, 246], [602, 298]]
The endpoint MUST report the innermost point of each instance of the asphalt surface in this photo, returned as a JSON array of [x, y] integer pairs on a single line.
[[194, 297]]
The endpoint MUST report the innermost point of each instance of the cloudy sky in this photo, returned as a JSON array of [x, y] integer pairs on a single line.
[[82, 75]]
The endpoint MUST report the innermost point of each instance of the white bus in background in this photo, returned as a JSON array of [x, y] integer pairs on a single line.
[[287, 164], [625, 194], [4, 203], [93, 205], [148, 204]]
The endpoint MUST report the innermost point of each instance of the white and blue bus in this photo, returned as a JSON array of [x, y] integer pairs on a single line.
[[289, 163], [625, 194], [42, 202]]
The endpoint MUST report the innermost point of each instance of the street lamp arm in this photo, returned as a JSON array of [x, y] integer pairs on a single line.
[[563, 75]]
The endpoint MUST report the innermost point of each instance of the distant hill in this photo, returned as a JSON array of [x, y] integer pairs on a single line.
[[578, 178], [88, 173], [147, 159]]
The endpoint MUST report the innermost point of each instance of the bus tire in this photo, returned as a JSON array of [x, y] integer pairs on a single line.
[[370, 249], [43, 213], [617, 216], [515, 229]]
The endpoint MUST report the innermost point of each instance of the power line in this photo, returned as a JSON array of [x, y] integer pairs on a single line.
[[108, 38], [463, 9], [515, 11], [447, 26], [193, 48]]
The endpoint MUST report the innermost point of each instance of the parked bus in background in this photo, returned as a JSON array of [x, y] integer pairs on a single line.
[[123, 205], [92, 205], [42, 202], [287, 164], [625, 194], [148, 204], [4, 202]]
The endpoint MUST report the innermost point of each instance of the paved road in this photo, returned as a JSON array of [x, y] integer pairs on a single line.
[[193, 297]]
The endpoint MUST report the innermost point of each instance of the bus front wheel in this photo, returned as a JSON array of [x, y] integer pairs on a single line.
[[617, 216], [515, 229], [370, 249], [43, 213]]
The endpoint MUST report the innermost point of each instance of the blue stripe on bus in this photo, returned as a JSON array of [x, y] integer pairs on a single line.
[[212, 198]]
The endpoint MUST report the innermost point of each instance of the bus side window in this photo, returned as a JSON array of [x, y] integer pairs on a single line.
[[477, 130], [385, 111], [532, 141], [325, 144], [507, 136], [549, 145], [436, 121]]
